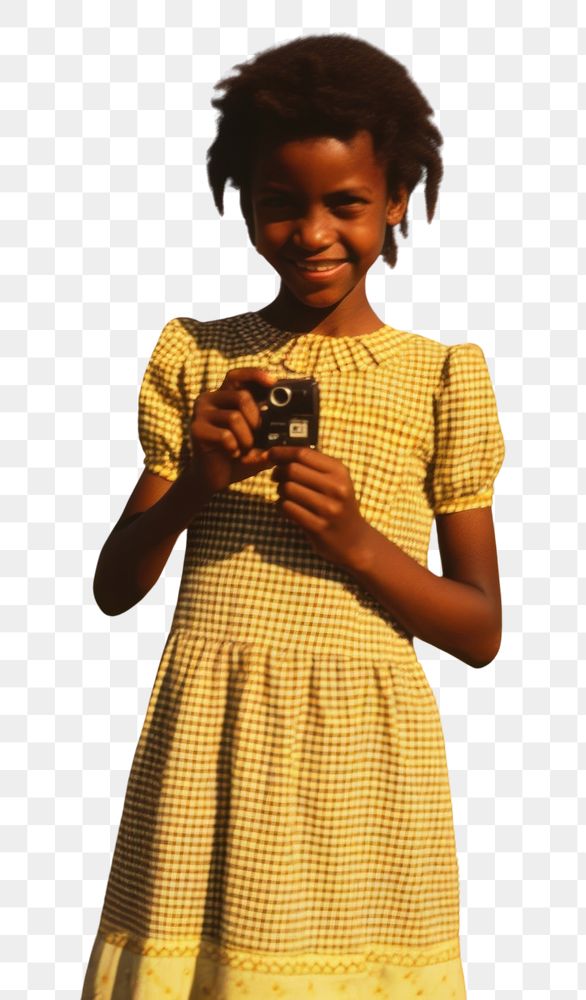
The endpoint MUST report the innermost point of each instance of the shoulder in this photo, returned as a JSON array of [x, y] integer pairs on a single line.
[[197, 353], [441, 361], [230, 336], [420, 360], [418, 346]]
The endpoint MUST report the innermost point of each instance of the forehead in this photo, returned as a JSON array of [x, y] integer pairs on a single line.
[[317, 160]]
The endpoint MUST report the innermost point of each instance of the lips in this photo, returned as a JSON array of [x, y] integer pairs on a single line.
[[330, 262], [319, 273]]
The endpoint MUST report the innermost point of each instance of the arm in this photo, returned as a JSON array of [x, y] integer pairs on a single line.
[[138, 547], [459, 612]]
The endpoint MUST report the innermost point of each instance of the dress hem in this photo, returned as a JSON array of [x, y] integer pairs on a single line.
[[291, 962], [190, 969]]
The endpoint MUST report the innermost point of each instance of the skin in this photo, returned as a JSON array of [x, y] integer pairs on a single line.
[[459, 612], [299, 212], [319, 208]]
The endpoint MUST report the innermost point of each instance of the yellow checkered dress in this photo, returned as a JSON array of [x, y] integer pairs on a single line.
[[287, 831]]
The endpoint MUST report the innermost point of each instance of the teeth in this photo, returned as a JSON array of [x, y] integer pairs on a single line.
[[318, 267]]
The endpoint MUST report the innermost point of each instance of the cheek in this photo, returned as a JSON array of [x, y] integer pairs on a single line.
[[268, 235]]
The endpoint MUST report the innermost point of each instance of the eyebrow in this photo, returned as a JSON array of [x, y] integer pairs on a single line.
[[351, 189]]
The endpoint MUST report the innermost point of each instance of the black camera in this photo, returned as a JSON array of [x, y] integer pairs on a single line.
[[289, 412]]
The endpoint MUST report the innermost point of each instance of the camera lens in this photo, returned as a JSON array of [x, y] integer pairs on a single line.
[[280, 395]]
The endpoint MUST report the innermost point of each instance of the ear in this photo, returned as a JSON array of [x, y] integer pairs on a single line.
[[396, 209]]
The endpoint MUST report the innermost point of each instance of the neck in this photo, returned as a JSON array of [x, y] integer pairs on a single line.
[[346, 318]]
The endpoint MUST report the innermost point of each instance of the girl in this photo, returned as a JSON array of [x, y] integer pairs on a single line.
[[287, 830]]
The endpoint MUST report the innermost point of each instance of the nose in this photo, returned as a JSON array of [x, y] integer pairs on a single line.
[[313, 230]]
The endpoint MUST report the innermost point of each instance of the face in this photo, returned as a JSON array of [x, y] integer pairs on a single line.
[[322, 199]]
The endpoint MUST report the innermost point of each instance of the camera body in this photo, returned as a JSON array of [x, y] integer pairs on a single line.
[[289, 412]]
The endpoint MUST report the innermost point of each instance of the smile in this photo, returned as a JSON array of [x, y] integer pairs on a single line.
[[318, 270]]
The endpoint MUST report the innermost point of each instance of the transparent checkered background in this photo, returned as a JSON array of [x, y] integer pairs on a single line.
[[108, 230]]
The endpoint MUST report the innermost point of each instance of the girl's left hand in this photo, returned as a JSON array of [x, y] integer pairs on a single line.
[[316, 492]]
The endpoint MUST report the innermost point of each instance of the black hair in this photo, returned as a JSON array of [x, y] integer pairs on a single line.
[[330, 85]]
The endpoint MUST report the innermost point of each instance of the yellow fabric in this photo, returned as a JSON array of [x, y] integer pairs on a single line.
[[469, 442], [119, 973], [287, 829]]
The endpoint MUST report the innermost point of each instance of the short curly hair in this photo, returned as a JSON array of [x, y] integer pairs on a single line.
[[325, 85]]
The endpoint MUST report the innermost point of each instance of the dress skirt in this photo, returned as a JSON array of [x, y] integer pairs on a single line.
[[287, 830]]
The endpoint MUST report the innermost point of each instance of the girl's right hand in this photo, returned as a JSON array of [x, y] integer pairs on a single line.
[[221, 431]]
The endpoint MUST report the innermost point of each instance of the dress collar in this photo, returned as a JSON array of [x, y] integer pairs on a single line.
[[314, 353]]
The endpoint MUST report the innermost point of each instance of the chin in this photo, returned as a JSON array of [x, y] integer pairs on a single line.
[[316, 300]]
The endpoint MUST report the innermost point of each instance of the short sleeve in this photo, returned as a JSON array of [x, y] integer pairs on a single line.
[[165, 401], [469, 443]]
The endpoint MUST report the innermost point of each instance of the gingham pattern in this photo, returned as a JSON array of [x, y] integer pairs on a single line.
[[288, 810]]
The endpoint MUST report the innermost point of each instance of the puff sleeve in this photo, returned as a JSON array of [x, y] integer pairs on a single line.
[[165, 401], [469, 444]]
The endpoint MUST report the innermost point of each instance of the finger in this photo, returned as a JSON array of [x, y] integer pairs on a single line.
[[236, 377], [321, 505], [303, 517], [210, 436], [255, 455], [249, 408], [225, 399], [294, 472], [283, 454], [235, 423], [236, 399]]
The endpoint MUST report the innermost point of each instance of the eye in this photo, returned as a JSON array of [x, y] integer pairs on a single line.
[[347, 199], [274, 200]]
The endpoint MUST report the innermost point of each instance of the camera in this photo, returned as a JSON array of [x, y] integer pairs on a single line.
[[289, 412]]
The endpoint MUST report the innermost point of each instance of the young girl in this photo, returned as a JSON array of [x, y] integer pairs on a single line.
[[287, 830]]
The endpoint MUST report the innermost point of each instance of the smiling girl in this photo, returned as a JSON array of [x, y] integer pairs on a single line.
[[287, 830]]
